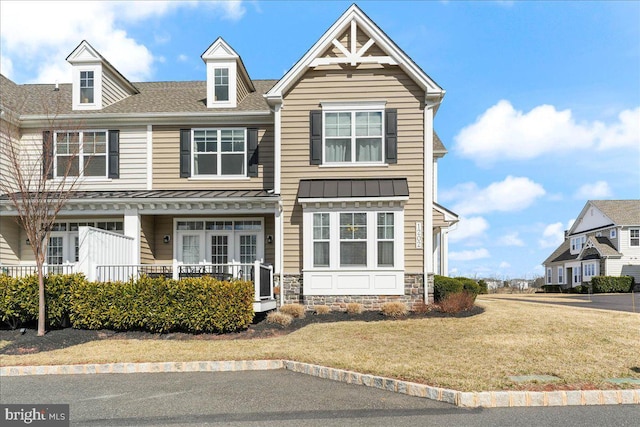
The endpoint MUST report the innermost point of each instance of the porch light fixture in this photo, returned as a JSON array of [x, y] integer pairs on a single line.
[[269, 239], [166, 238]]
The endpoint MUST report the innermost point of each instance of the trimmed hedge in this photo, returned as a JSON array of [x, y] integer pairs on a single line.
[[606, 284], [443, 286], [153, 304]]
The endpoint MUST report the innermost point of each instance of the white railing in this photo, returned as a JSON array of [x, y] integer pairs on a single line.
[[125, 272]]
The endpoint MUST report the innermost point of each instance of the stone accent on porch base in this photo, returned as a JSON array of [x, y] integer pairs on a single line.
[[413, 294]]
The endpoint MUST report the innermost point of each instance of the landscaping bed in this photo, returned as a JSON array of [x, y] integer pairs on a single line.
[[28, 342]]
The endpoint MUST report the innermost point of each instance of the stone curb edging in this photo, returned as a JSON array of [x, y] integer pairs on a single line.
[[485, 399]]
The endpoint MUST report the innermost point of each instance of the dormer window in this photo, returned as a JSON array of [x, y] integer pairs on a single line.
[[221, 84], [86, 87]]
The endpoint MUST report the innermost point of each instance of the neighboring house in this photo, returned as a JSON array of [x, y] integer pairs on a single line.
[[603, 241], [327, 178]]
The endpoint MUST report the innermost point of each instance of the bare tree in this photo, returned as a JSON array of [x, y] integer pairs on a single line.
[[34, 183]]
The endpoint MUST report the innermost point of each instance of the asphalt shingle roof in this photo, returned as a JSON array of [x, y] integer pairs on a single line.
[[621, 212]]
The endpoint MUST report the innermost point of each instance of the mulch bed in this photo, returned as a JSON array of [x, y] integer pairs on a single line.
[[28, 342]]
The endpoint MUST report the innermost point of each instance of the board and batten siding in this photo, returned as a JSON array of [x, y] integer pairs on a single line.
[[9, 241], [166, 162], [366, 82]]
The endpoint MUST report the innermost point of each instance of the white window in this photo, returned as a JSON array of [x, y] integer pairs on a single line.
[[321, 240], [560, 275], [577, 243], [634, 237], [354, 240], [549, 276], [612, 233], [221, 84], [353, 136], [577, 275], [80, 154], [219, 152], [86, 87], [589, 270]]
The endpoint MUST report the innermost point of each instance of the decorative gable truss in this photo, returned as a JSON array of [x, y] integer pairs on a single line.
[[353, 47]]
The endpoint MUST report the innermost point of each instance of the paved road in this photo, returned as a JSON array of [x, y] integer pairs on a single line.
[[272, 398], [619, 302]]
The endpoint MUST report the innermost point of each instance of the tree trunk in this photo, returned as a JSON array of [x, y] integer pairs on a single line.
[[42, 314]]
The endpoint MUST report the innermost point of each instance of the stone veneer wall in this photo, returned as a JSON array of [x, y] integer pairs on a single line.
[[413, 294]]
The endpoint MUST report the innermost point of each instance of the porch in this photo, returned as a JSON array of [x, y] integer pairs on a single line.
[[259, 273]]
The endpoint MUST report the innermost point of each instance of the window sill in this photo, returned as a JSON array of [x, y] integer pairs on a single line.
[[354, 165], [82, 180], [220, 178]]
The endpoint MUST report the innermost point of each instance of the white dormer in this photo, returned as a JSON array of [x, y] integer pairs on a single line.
[[91, 75], [224, 66]]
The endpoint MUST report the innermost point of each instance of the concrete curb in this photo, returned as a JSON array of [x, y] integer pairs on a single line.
[[485, 399]]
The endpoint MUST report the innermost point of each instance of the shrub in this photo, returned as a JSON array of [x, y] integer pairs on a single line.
[[484, 288], [322, 309], [354, 308], [605, 284], [469, 285], [11, 311], [279, 318], [421, 307], [161, 305], [394, 309], [294, 310], [442, 286], [455, 303]]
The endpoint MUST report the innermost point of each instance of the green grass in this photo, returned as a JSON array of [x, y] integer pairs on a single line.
[[582, 347]]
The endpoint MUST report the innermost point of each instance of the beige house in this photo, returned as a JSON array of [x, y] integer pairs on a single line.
[[603, 241], [324, 181]]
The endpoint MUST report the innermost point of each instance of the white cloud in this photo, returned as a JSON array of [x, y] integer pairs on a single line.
[[468, 228], [49, 31], [469, 255], [504, 265], [552, 235], [597, 190], [504, 133], [511, 239], [512, 194]]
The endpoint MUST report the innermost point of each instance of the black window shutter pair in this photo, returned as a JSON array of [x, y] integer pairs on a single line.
[[113, 152], [391, 136], [185, 152]]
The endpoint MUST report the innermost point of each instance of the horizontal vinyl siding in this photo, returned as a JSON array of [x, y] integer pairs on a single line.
[[147, 239], [111, 90], [241, 87], [367, 82], [9, 241], [9, 135], [166, 162], [133, 160]]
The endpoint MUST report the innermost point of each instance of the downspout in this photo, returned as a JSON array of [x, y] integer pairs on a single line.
[[277, 189], [428, 193]]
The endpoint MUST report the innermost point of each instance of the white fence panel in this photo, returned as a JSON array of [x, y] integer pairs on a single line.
[[101, 247]]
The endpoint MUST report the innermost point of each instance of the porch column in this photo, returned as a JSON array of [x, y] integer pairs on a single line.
[[444, 252], [132, 229]]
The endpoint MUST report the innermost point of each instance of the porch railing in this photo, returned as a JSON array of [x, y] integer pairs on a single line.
[[26, 270], [123, 273]]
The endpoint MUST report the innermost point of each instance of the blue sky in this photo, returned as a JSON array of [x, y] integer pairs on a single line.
[[542, 110]]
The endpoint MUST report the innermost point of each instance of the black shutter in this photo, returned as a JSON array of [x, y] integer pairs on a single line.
[[47, 154], [391, 135], [252, 152], [185, 153], [315, 137], [114, 154]]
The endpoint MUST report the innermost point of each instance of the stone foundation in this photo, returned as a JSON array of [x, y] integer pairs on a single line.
[[413, 295]]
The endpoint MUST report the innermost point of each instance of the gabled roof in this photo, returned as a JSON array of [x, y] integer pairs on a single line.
[[85, 53], [353, 17], [621, 212], [602, 244], [220, 49], [562, 253]]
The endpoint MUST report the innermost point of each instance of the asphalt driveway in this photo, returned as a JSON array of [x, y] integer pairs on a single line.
[[618, 302]]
